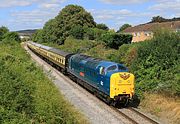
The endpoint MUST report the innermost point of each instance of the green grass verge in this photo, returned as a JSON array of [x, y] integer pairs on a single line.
[[27, 95]]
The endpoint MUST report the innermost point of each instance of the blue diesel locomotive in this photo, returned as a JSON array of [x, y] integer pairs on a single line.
[[111, 81], [108, 80]]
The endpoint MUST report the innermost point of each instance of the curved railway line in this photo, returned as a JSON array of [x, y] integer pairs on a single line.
[[132, 120], [128, 117], [143, 115]]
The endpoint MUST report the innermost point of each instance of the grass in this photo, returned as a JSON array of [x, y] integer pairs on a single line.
[[166, 108], [27, 95]]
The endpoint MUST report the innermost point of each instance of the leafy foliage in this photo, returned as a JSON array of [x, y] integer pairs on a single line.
[[38, 36], [68, 22], [74, 21], [114, 40], [157, 63], [102, 26], [123, 27], [27, 96], [77, 32], [3, 31], [11, 37], [161, 19]]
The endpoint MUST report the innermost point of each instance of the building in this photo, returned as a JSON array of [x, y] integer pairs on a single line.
[[145, 31]]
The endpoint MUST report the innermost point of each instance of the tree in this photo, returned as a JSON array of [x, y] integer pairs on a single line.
[[102, 26], [38, 36], [3, 31], [77, 32], [158, 19], [123, 27], [59, 28]]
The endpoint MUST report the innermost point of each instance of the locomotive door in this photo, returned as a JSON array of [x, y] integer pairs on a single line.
[[101, 77]]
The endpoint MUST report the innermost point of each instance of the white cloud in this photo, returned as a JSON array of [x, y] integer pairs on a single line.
[[110, 14], [48, 5], [173, 5], [44, 3], [116, 18], [118, 14], [122, 2], [10, 3], [36, 18]]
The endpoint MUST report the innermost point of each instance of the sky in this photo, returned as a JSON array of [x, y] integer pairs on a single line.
[[33, 14]]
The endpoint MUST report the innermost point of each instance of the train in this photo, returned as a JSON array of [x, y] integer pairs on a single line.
[[108, 80]]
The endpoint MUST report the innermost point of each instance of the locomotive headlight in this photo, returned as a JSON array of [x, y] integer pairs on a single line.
[[129, 81]]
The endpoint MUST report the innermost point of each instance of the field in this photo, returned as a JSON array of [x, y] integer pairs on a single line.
[[27, 95]]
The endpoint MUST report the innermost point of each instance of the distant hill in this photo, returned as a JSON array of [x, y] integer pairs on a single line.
[[28, 32]]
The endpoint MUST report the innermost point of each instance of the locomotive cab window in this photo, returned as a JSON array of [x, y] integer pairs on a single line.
[[120, 67], [112, 68], [102, 70]]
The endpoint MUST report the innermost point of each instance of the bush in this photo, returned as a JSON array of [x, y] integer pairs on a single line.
[[157, 65], [11, 37], [3, 31], [102, 26], [27, 96], [114, 40]]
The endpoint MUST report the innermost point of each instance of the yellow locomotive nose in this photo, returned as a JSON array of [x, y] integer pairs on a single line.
[[122, 84]]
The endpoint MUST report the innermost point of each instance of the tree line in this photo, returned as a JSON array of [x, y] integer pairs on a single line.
[[74, 21]]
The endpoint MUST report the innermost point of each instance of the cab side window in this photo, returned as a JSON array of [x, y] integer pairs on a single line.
[[112, 68], [122, 68], [102, 71]]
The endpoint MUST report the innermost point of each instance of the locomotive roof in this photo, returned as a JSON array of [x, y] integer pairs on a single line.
[[92, 62]]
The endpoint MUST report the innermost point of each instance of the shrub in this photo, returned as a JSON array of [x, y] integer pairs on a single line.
[[3, 31], [11, 37], [157, 65], [27, 96], [114, 40]]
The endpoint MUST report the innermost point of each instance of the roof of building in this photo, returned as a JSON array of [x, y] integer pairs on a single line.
[[152, 26]]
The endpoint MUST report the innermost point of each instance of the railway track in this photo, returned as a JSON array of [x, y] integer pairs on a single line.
[[124, 114], [138, 113], [143, 115]]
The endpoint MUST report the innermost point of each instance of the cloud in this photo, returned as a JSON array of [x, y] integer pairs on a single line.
[[164, 5], [36, 18], [10, 3], [123, 2], [118, 14], [49, 5], [33, 16], [44, 3], [116, 18], [110, 14]]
